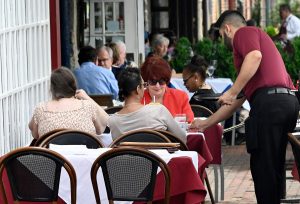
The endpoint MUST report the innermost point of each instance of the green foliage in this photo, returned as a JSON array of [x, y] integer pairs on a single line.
[[182, 55], [271, 31], [291, 60], [218, 51]]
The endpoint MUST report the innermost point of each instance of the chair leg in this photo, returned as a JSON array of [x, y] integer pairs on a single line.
[[209, 190], [222, 181], [216, 174]]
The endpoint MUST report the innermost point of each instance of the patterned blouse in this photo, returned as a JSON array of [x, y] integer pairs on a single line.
[[78, 119]]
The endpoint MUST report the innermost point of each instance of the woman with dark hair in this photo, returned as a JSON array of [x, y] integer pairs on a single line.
[[65, 110], [157, 73], [194, 75], [135, 115]]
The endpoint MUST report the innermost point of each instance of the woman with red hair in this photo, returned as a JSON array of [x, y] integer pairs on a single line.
[[157, 73]]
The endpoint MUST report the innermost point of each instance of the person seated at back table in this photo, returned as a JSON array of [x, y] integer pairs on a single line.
[[105, 57], [92, 78], [135, 115], [65, 111], [157, 73], [194, 75]]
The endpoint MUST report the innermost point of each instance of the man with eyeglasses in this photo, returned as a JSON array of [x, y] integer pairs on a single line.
[[105, 57]]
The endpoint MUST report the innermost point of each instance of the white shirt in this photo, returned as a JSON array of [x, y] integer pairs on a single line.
[[293, 27]]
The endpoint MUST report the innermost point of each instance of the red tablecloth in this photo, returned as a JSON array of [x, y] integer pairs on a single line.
[[186, 185], [210, 149], [295, 173]]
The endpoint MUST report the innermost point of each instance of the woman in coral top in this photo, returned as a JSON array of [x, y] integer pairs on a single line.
[[157, 73]]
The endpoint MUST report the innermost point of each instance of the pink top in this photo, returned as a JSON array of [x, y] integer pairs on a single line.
[[176, 101], [271, 71], [78, 119]]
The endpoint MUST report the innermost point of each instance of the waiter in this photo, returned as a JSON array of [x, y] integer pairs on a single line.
[[274, 108]]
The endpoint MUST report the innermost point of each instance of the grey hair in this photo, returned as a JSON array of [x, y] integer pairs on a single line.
[[121, 44], [107, 49], [159, 40]]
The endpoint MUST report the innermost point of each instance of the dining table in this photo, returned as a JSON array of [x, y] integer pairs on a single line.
[[187, 173], [187, 189]]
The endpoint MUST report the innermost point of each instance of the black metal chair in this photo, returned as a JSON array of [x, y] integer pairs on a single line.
[[201, 111], [173, 138], [112, 110], [109, 111], [103, 99], [129, 175], [41, 138], [70, 137], [34, 175], [144, 135]]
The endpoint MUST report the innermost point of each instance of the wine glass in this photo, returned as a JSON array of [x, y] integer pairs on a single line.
[[211, 68]]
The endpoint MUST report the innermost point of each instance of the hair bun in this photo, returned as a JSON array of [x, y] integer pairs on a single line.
[[198, 60]]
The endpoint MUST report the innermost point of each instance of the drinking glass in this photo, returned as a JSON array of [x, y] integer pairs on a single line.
[[181, 120], [211, 68]]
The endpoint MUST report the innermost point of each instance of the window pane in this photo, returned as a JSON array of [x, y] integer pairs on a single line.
[[160, 3], [99, 41], [161, 19]]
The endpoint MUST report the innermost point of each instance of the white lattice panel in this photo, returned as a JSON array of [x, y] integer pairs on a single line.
[[25, 67]]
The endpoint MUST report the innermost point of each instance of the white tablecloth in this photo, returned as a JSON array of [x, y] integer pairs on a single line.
[[82, 161], [219, 85]]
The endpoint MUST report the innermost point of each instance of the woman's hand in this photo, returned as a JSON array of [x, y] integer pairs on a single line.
[[81, 94]]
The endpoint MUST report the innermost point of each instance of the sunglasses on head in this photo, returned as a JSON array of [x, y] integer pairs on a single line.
[[154, 82]]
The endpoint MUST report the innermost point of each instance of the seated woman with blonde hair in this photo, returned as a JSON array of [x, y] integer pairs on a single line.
[[65, 111], [135, 115]]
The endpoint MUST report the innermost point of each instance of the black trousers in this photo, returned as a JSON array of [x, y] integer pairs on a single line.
[[272, 116]]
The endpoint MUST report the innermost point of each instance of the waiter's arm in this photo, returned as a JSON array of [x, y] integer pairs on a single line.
[[249, 67], [224, 112]]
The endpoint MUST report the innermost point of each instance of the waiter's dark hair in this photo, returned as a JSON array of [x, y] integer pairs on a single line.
[[230, 16]]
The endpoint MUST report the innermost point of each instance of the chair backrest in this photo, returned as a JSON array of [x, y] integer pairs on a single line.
[[144, 135], [112, 110], [103, 99], [71, 137], [201, 111], [173, 138], [34, 174], [295, 143], [129, 174], [36, 142]]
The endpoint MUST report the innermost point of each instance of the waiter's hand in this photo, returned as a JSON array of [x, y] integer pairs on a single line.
[[197, 126], [227, 98]]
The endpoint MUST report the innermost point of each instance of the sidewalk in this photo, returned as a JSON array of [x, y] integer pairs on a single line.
[[239, 187]]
